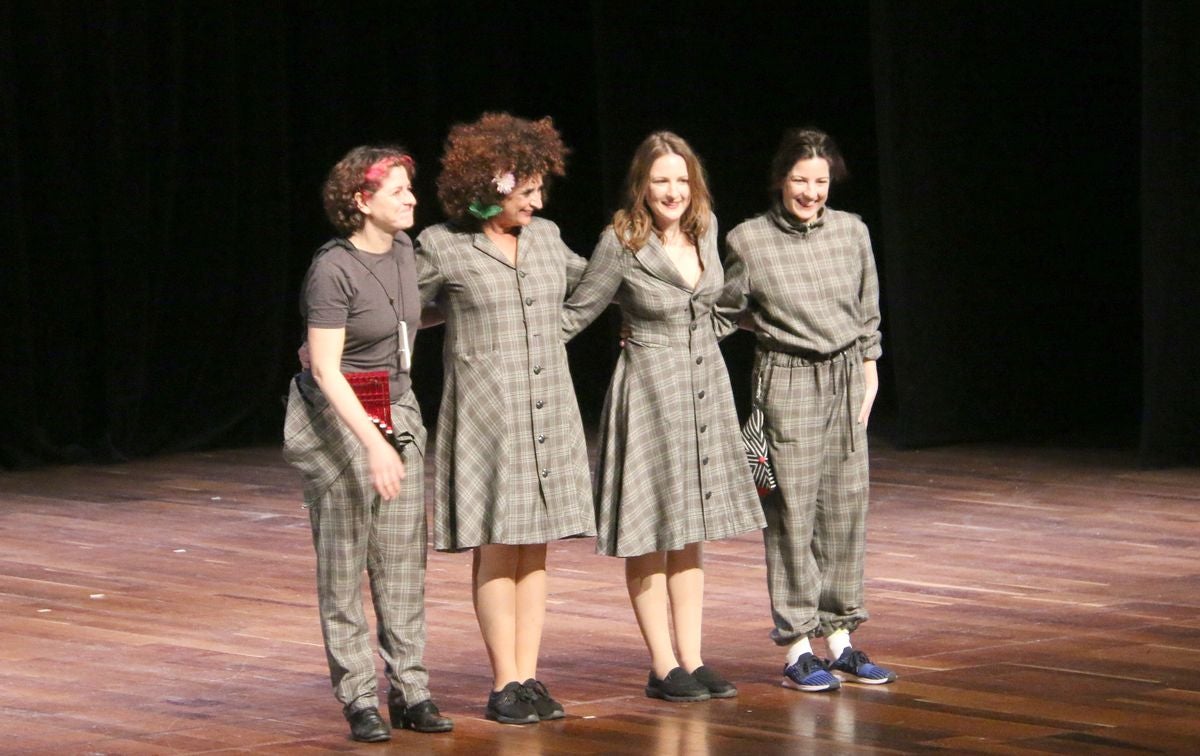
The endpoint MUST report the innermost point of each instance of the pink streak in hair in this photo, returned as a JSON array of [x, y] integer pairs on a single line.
[[379, 170]]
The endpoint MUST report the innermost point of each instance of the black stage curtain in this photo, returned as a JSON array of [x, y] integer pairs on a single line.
[[163, 164], [1170, 191]]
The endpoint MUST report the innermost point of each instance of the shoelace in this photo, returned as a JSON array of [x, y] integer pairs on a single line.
[[857, 659], [814, 664]]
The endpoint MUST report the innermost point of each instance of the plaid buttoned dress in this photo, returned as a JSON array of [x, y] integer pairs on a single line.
[[671, 468], [511, 459], [813, 294]]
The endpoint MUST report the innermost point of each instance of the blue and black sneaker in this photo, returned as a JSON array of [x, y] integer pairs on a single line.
[[853, 665], [810, 674]]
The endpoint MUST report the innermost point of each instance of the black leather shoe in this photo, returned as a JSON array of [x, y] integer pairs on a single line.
[[367, 726], [422, 717]]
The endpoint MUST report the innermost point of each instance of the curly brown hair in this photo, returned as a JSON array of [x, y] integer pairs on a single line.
[[498, 143], [634, 223], [362, 170]]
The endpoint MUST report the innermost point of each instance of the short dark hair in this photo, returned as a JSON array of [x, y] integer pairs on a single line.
[[804, 144]]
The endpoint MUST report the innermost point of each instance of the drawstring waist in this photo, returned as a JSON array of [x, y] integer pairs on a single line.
[[831, 367]]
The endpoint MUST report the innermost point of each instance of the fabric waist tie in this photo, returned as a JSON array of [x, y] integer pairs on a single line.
[[833, 366]]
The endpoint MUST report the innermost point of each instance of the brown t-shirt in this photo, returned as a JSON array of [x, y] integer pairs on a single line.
[[368, 295]]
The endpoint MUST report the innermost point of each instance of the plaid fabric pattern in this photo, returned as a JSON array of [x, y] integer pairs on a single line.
[[814, 292], [511, 458], [671, 467], [816, 520], [355, 530]]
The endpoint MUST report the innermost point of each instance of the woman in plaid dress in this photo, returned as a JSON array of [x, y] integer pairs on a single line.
[[671, 471], [806, 274], [512, 468], [359, 303]]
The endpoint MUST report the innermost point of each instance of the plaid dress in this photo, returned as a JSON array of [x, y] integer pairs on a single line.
[[814, 297], [511, 459], [671, 468]]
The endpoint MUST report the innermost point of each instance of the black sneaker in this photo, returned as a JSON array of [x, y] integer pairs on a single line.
[[718, 687], [545, 706], [678, 685], [512, 705]]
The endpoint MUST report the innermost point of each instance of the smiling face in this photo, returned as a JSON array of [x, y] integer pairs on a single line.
[[668, 194], [518, 206], [806, 188], [390, 207]]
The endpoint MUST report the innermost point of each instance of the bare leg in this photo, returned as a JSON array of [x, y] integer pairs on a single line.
[[530, 608], [685, 585], [494, 591], [646, 580]]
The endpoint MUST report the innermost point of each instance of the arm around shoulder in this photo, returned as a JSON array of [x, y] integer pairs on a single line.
[[596, 288]]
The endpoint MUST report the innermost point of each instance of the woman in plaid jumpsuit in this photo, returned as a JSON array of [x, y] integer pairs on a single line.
[[805, 274]]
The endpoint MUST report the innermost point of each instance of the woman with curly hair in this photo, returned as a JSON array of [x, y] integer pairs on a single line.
[[512, 469], [671, 473], [361, 308]]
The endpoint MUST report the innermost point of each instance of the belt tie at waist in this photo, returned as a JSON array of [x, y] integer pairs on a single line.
[[833, 366]]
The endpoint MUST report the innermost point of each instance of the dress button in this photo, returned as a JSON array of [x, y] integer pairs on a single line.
[[699, 360], [545, 473], [693, 326], [704, 461], [703, 428], [538, 404], [537, 369], [708, 494], [521, 273], [700, 395], [541, 438], [528, 300]]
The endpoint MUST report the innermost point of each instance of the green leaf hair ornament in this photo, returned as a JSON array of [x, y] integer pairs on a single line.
[[482, 211]]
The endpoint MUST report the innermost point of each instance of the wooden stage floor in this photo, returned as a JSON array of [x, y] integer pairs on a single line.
[[1031, 600]]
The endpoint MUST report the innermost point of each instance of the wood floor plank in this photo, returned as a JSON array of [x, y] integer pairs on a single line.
[[1032, 601]]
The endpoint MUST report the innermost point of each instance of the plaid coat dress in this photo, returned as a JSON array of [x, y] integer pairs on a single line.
[[511, 459], [671, 467]]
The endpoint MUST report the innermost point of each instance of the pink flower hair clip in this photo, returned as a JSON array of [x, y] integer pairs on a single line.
[[505, 183]]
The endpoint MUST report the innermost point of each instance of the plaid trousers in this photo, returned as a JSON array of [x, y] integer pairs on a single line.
[[353, 530], [816, 519]]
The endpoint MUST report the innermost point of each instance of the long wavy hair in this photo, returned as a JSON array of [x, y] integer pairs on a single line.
[[634, 222]]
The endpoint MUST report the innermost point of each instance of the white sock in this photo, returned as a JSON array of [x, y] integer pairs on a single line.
[[839, 641], [798, 649]]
